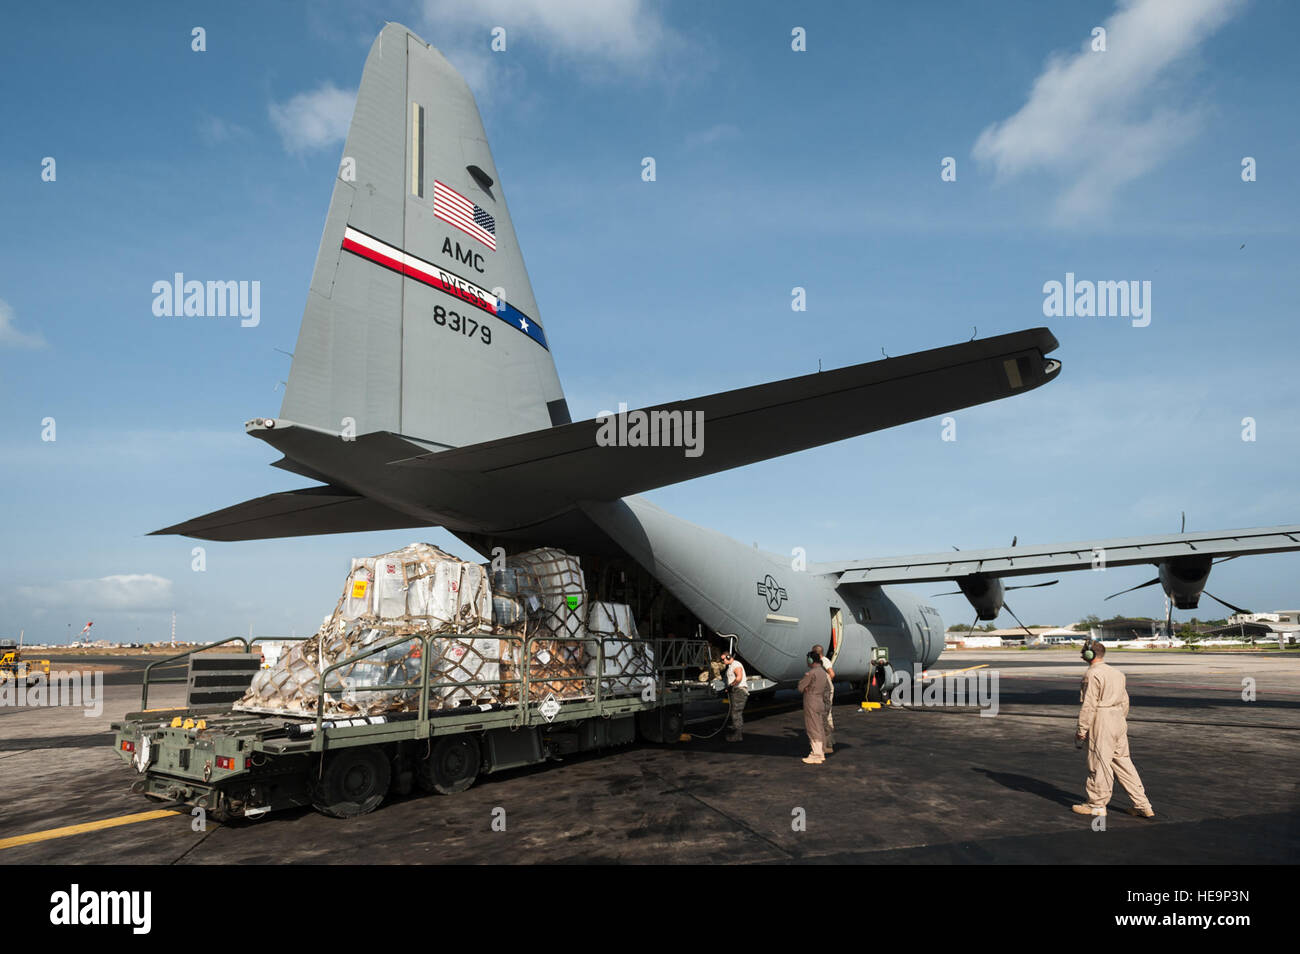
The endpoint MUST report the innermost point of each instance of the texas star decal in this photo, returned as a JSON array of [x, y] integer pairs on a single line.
[[435, 276]]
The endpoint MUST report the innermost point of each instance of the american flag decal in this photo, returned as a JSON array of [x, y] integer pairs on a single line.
[[454, 209]]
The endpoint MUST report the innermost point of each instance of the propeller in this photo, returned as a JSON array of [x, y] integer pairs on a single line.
[[1132, 588], [1169, 613], [1017, 619], [1235, 609], [1023, 586], [975, 621], [1181, 529]]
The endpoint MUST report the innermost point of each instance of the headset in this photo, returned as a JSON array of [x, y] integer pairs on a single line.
[[1088, 653], [813, 659]]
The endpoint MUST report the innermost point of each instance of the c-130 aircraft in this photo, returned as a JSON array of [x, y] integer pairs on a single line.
[[423, 393]]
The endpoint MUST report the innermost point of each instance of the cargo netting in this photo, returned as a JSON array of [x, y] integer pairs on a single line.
[[488, 634]]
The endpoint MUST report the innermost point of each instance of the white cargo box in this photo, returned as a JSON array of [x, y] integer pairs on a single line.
[[418, 590], [628, 664]]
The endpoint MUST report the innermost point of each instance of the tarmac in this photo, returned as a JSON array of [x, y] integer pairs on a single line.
[[906, 785]]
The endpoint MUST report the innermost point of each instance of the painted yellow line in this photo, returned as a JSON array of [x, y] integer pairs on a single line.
[[82, 829]]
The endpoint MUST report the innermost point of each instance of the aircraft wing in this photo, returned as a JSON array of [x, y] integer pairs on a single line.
[[525, 478], [1063, 557]]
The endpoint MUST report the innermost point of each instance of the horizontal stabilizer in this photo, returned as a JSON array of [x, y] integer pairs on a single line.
[[294, 513], [560, 465], [518, 481]]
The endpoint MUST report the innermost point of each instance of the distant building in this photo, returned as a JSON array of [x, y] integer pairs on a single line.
[[1121, 630], [1253, 630], [1012, 636], [1280, 616], [1056, 636], [974, 640]]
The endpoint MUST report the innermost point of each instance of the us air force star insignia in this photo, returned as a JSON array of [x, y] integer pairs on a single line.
[[523, 324], [773, 592]]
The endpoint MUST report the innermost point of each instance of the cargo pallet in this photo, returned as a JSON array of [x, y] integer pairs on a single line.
[[232, 762]]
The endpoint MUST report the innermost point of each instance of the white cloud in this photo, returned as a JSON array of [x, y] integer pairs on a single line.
[[121, 592], [1097, 119], [622, 32], [11, 337], [214, 130], [491, 78], [723, 132], [315, 119]]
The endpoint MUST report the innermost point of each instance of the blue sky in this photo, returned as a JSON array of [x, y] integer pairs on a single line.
[[775, 169]]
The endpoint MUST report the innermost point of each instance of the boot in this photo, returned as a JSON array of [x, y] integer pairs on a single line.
[[815, 757], [1147, 812], [1089, 810]]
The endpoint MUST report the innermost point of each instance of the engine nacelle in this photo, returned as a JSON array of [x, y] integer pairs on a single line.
[[1183, 578], [985, 594]]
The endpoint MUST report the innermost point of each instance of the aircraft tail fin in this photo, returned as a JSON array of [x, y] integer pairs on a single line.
[[420, 318]]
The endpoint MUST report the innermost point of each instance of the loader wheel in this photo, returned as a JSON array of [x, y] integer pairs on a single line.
[[663, 726], [354, 782], [451, 767]]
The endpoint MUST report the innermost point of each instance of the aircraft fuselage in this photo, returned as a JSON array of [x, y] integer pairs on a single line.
[[776, 610]]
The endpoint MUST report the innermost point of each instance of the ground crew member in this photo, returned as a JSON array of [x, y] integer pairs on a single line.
[[816, 689], [829, 729], [733, 677], [1103, 715]]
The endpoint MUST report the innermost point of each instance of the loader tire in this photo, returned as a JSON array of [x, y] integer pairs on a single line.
[[451, 766], [353, 783], [662, 726]]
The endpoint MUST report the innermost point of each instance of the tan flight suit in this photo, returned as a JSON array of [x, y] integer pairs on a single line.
[[816, 689], [828, 724], [1103, 712]]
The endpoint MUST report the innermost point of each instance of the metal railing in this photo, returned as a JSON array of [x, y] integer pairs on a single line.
[[422, 685], [671, 657], [148, 670], [144, 688]]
